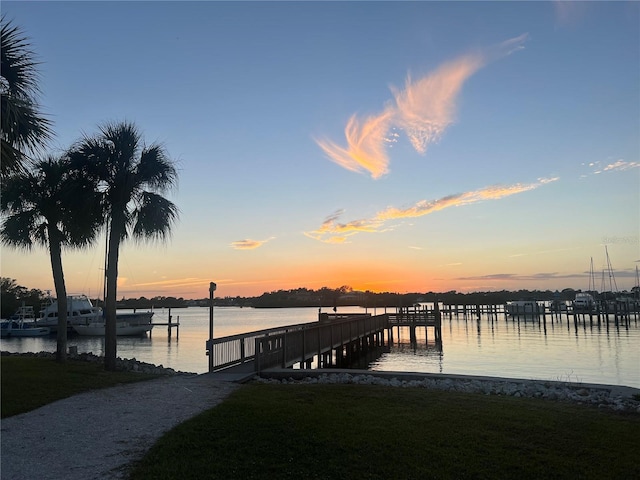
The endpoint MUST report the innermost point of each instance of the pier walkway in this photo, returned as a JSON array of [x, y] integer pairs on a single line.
[[335, 340]]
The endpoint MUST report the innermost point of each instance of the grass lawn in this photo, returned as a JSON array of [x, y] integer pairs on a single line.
[[372, 432], [30, 382]]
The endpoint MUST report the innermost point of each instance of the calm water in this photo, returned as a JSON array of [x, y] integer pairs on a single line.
[[498, 347]]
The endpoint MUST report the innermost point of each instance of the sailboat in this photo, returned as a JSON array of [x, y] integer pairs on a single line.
[[584, 301], [617, 301]]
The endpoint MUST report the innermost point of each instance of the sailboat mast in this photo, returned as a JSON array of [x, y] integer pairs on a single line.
[[612, 279], [592, 278]]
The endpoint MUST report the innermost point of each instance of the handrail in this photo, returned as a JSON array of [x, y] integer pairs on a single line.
[[240, 348], [289, 348]]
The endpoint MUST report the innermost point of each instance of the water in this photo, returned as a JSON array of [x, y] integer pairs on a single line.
[[528, 349]]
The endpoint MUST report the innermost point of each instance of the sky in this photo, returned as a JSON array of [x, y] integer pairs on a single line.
[[385, 146]]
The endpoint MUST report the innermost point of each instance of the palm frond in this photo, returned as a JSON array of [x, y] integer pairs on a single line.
[[18, 61], [155, 169], [24, 130], [50, 200], [154, 217], [17, 230]]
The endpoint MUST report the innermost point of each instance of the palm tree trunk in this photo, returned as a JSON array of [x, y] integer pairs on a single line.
[[55, 252], [110, 340]]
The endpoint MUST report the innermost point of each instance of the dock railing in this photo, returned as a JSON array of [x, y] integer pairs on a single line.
[[285, 346], [236, 349], [299, 346]]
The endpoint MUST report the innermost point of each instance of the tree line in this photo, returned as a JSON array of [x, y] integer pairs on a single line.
[[13, 295], [108, 183], [345, 296]]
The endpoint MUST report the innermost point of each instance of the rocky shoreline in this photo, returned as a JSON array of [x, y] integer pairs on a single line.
[[122, 364], [621, 399]]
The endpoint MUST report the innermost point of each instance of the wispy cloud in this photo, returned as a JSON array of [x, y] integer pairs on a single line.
[[248, 244], [366, 142], [515, 277], [333, 231], [619, 165], [424, 109]]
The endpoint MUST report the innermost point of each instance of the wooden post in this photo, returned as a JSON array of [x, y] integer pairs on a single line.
[[438, 322]]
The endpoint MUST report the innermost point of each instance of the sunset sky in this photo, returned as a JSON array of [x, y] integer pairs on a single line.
[[387, 146]]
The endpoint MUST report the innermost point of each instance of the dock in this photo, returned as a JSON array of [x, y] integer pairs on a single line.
[[334, 341], [169, 324]]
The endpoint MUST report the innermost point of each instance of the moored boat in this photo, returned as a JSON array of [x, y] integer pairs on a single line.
[[524, 307], [583, 302], [127, 324], [122, 329], [80, 310], [20, 328]]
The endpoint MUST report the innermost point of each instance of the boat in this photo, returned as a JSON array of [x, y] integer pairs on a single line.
[[524, 307], [20, 328], [583, 302], [22, 324], [557, 304], [122, 328], [79, 310], [127, 324]]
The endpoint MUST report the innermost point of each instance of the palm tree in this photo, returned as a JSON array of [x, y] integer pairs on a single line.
[[24, 129], [132, 178], [42, 207]]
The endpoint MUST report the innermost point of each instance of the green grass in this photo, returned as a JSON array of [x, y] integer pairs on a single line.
[[30, 382], [370, 432]]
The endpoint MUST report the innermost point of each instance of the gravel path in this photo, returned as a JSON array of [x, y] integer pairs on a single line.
[[95, 435]]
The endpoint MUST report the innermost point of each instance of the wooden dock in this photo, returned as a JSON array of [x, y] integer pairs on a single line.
[[337, 340], [616, 314], [169, 324], [414, 317], [328, 342]]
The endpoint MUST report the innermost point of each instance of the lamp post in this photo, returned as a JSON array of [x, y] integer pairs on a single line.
[[212, 288]]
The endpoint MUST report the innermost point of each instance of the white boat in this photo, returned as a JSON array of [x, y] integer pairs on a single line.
[[583, 302], [524, 307], [122, 328], [22, 324], [80, 310], [19, 328], [127, 324]]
